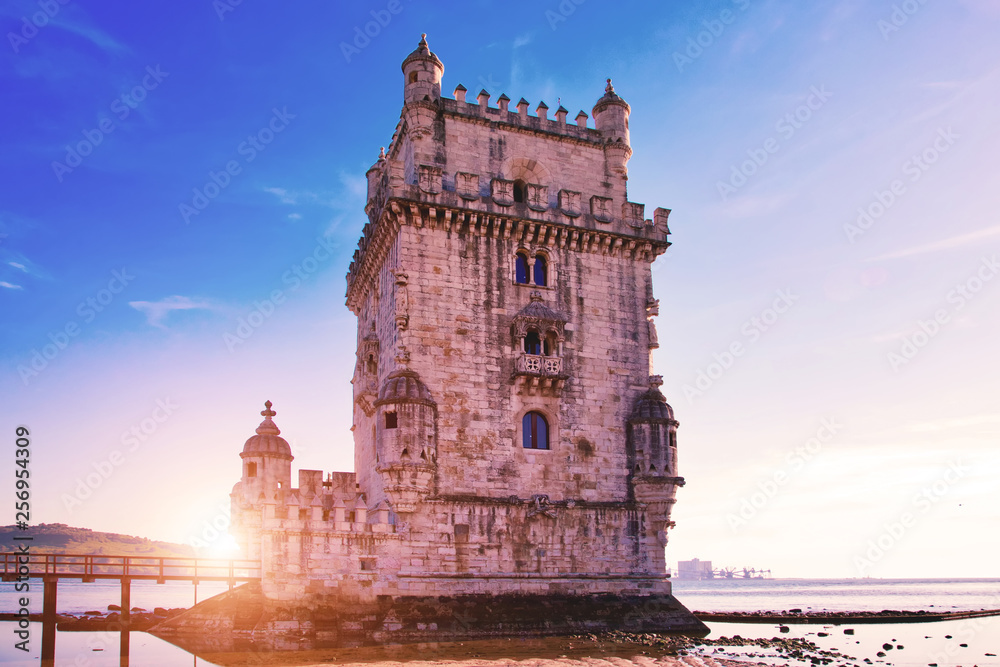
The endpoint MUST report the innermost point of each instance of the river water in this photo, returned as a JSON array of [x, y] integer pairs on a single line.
[[964, 643]]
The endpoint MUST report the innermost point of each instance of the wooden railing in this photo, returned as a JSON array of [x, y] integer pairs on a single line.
[[90, 567]]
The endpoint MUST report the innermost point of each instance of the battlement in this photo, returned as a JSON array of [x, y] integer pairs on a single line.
[[519, 116]]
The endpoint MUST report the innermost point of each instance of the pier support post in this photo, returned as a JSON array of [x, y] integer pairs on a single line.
[[126, 618], [126, 602], [49, 619]]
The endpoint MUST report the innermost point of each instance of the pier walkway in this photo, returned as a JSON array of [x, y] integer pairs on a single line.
[[50, 568]]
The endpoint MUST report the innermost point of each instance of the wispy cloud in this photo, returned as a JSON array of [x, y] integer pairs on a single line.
[[18, 265], [4, 283], [157, 311], [943, 244]]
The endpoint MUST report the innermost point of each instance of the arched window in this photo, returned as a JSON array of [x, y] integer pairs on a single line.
[[534, 431], [532, 342], [521, 269], [541, 270], [413, 77], [519, 191], [550, 344], [371, 366], [251, 469]]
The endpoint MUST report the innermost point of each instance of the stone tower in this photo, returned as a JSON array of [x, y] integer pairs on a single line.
[[510, 442], [504, 301]]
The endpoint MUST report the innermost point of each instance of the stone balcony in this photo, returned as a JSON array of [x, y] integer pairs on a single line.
[[539, 374]]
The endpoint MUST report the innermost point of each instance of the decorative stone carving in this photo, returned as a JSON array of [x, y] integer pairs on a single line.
[[429, 179], [537, 197], [402, 300], [600, 208], [467, 185], [652, 310], [540, 505], [569, 203], [633, 214], [502, 191]]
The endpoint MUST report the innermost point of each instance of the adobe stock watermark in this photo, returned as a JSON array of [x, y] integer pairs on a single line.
[[363, 35], [899, 16], [121, 107], [959, 296], [914, 168], [706, 38], [30, 25], [795, 461], [786, 127], [563, 11], [223, 7], [956, 646], [894, 531], [752, 329], [131, 440], [248, 149], [59, 340], [293, 278]]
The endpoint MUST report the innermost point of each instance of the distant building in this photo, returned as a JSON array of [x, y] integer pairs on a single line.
[[694, 569], [509, 438]]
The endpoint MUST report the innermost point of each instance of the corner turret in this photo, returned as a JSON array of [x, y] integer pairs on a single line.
[[422, 72], [611, 118]]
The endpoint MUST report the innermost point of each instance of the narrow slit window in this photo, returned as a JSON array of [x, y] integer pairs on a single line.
[[391, 420], [519, 191], [251, 469]]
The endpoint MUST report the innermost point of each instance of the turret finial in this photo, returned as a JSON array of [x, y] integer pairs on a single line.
[[268, 412], [609, 88], [381, 153]]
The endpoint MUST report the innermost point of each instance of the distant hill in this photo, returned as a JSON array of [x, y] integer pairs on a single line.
[[58, 538]]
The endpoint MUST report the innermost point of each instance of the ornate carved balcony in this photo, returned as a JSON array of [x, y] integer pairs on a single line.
[[535, 373]]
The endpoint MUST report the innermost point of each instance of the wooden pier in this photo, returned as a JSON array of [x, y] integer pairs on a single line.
[[50, 568]]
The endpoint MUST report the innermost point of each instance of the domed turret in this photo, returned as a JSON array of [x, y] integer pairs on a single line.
[[267, 442], [267, 461], [652, 434], [405, 439], [422, 72], [611, 117]]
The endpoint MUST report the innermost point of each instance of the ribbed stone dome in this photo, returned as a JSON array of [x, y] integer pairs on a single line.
[[652, 406], [422, 52], [610, 98], [404, 386], [268, 441], [539, 311]]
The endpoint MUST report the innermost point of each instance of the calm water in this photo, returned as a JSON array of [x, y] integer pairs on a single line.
[[922, 643], [838, 594]]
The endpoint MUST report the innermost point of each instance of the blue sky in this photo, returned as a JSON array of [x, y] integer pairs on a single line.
[[835, 161]]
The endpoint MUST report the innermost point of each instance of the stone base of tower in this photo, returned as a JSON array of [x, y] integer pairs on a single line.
[[223, 622]]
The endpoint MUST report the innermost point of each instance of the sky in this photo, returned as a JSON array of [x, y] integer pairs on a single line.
[[182, 187]]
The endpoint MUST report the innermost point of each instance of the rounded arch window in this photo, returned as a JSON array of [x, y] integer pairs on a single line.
[[550, 345], [532, 342], [534, 431], [541, 270], [521, 268], [413, 77]]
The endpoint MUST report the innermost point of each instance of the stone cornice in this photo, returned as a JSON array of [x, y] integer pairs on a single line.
[[545, 231]]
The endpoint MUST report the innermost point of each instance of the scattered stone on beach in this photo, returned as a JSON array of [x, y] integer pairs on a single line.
[[886, 647], [881, 654], [93, 613], [782, 628], [138, 609], [848, 631], [114, 607], [899, 647], [964, 645]]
